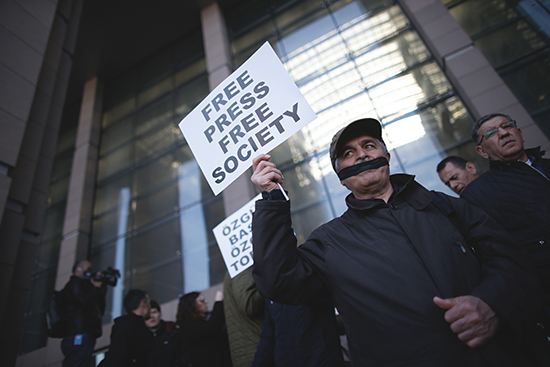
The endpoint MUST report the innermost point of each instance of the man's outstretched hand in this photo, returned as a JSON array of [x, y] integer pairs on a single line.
[[471, 319], [266, 175]]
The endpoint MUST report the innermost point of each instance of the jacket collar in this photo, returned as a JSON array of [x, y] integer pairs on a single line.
[[136, 318], [405, 189], [501, 166]]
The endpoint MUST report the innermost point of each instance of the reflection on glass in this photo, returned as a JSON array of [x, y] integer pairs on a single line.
[[194, 244], [118, 290], [403, 132], [355, 59]]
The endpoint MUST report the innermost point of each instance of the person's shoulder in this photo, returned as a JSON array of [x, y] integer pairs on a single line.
[[123, 320], [73, 283], [482, 183], [332, 224], [445, 202]]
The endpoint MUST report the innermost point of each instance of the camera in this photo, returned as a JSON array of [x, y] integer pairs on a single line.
[[109, 276]]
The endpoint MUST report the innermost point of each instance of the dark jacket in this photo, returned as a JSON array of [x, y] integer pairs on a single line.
[[131, 343], [205, 341], [244, 313], [299, 336], [384, 262], [166, 346], [85, 304], [518, 197]]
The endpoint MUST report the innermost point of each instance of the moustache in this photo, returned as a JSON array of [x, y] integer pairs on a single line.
[[361, 167]]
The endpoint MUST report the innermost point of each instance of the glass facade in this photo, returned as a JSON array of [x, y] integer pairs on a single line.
[[354, 59], [514, 36], [153, 211]]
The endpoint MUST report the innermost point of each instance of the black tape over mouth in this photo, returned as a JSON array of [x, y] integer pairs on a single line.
[[361, 167]]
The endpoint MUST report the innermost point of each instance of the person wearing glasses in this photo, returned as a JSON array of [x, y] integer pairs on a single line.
[[419, 278], [515, 191]]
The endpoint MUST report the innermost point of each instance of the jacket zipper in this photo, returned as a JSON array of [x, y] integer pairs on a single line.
[[536, 170]]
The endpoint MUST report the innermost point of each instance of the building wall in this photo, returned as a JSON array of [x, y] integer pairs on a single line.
[[37, 39], [453, 62]]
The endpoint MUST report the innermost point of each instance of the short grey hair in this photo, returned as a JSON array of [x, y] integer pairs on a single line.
[[481, 121], [337, 167]]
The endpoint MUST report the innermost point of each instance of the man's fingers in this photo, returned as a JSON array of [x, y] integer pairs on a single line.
[[470, 318], [476, 342], [261, 158], [445, 304], [457, 308], [266, 175]]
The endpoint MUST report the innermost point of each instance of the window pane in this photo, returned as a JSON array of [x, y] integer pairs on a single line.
[[476, 16], [108, 194], [48, 254], [118, 112], [189, 95], [163, 283], [156, 114], [53, 222], [155, 172], [107, 227], [530, 84], [158, 204], [58, 191], [117, 134], [152, 248], [116, 161], [509, 43]]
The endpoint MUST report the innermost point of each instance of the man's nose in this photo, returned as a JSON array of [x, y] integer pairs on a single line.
[[361, 154], [502, 131]]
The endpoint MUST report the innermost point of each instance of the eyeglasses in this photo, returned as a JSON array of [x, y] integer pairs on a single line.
[[505, 125]]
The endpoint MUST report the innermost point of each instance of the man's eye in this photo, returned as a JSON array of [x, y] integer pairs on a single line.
[[491, 132]]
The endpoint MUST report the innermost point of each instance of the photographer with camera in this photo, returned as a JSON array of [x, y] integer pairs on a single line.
[[84, 297]]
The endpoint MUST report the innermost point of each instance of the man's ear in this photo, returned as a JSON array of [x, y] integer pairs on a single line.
[[521, 134], [471, 167], [481, 152]]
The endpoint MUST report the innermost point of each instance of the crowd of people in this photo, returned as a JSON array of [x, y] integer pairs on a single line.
[[418, 278]]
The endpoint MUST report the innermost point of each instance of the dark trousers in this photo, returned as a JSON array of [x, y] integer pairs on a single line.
[[78, 350]]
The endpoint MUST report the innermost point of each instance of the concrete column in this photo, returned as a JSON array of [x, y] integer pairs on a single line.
[[219, 65], [480, 87], [79, 211], [35, 66]]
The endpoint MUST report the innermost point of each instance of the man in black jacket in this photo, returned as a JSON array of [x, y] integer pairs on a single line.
[[515, 191], [167, 341], [85, 302], [419, 278], [131, 340], [456, 173]]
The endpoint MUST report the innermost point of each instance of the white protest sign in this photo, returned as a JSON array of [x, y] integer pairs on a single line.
[[252, 111], [234, 237]]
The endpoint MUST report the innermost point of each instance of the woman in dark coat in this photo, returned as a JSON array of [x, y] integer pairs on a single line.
[[204, 335]]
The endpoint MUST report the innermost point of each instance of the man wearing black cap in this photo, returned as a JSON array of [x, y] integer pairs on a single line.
[[419, 278]]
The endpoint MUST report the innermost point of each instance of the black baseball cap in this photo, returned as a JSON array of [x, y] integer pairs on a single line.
[[366, 126]]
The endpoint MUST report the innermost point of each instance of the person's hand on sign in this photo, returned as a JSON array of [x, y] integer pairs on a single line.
[[266, 176]]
